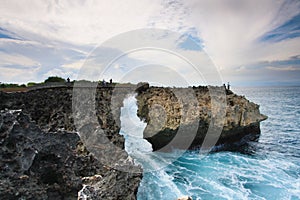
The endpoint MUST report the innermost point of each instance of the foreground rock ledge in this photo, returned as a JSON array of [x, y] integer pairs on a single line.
[[165, 110], [42, 156]]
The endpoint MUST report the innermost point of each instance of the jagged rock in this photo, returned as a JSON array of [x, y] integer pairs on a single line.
[[142, 86], [46, 159], [185, 198], [40, 165], [168, 111]]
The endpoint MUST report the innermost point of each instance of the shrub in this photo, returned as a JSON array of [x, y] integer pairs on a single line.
[[30, 84], [54, 79]]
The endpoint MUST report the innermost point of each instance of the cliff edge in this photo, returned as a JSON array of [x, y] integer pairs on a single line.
[[168, 111], [43, 157]]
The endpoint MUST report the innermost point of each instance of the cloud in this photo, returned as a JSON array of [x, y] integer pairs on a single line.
[[280, 72], [289, 29], [60, 72], [74, 65], [149, 48], [20, 75], [16, 59], [288, 68], [231, 30], [77, 22], [59, 35], [25, 54]]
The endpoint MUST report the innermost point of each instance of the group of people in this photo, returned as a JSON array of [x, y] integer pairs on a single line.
[[228, 86], [104, 83]]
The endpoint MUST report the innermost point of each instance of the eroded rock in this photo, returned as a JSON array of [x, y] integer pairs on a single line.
[[178, 115], [43, 157]]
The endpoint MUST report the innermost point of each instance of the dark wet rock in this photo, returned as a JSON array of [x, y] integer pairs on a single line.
[[37, 164], [43, 157], [185, 198], [142, 86]]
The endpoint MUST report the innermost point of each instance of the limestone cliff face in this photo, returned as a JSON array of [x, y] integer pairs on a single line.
[[169, 110]]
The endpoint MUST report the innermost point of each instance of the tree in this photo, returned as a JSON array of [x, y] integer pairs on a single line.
[[30, 84], [54, 79]]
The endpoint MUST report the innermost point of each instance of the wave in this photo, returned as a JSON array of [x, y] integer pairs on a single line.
[[271, 171]]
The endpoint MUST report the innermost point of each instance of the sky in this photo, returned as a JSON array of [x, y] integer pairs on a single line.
[[244, 42]]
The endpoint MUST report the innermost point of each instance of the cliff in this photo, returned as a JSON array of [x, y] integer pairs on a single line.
[[183, 117], [43, 157], [49, 149]]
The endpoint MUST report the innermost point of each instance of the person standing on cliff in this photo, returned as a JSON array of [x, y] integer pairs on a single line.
[[228, 86]]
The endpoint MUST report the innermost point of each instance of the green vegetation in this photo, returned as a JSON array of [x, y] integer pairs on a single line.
[[52, 79], [30, 84], [56, 80], [11, 85]]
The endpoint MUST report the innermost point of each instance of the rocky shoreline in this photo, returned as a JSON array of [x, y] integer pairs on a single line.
[[43, 157], [48, 150]]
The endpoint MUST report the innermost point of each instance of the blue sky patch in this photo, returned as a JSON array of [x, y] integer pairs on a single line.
[[290, 29], [19, 67], [2, 35], [6, 34], [190, 41]]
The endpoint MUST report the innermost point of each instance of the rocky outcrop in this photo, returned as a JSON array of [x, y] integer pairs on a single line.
[[168, 111], [40, 165], [185, 198], [43, 157]]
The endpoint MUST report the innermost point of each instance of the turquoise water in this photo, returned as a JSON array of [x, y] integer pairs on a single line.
[[267, 169]]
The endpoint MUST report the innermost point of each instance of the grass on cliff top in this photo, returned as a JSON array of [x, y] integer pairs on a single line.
[[14, 89]]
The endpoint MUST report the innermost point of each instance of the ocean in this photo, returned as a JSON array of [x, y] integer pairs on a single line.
[[267, 169]]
